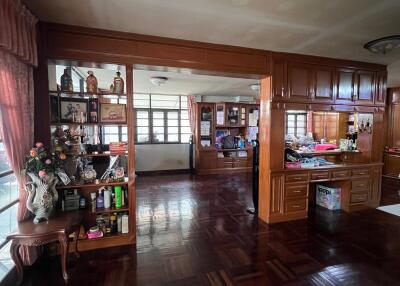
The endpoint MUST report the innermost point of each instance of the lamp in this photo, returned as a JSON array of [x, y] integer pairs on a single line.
[[255, 87], [383, 45], [158, 80]]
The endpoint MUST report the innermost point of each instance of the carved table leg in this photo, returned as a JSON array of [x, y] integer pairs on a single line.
[[14, 250], [76, 234], [64, 254]]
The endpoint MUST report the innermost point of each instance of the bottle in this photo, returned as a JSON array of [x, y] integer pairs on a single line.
[[107, 198], [113, 223], [93, 201], [118, 197], [125, 224], [119, 223], [100, 199]]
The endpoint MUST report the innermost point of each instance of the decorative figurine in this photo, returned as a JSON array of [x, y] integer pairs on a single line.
[[118, 85], [91, 83], [66, 82]]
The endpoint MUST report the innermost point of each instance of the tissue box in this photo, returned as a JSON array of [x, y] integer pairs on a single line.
[[328, 197]]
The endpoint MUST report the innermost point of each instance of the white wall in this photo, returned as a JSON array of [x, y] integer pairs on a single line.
[[154, 157]]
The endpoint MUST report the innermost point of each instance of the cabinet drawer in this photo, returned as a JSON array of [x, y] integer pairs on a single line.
[[239, 164], [221, 163], [318, 176], [291, 178], [296, 190], [361, 185], [295, 205], [341, 174], [360, 173], [358, 197]]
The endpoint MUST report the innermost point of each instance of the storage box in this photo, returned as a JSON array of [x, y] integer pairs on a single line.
[[328, 197]]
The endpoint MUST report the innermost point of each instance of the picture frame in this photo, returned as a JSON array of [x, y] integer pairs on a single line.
[[112, 113], [54, 109], [93, 110], [73, 110]]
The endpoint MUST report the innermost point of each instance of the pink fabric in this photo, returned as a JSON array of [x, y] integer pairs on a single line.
[[191, 100], [321, 147], [18, 31]]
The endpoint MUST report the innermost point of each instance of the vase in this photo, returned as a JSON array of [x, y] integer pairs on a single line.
[[42, 196]]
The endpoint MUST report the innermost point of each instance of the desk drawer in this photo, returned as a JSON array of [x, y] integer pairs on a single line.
[[360, 173], [318, 176], [296, 190], [358, 197], [292, 178], [239, 164], [295, 205], [360, 185], [342, 174], [222, 163]]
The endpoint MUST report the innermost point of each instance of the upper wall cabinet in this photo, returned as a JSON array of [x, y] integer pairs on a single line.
[[364, 87], [322, 84], [299, 81], [345, 85], [279, 79], [380, 95]]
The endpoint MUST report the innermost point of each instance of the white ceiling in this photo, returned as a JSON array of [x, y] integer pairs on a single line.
[[334, 28]]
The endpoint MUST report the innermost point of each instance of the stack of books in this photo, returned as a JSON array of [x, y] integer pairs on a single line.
[[117, 147]]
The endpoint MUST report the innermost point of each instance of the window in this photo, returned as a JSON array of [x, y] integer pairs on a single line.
[[161, 119], [296, 124], [8, 209], [114, 134]]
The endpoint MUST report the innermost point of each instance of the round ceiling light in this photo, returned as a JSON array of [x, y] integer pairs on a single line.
[[158, 80], [383, 45]]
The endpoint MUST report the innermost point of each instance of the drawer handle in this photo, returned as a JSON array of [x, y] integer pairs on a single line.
[[320, 177], [340, 175], [298, 178], [296, 191], [295, 206]]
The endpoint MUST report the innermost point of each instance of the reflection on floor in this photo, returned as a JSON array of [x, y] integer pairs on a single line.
[[195, 231]]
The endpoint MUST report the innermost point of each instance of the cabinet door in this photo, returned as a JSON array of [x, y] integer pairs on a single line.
[[232, 114], [299, 80], [380, 95], [344, 85], [276, 198], [365, 87], [322, 86], [279, 79]]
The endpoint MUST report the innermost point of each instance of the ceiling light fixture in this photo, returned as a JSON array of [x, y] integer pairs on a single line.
[[158, 80], [383, 45], [255, 86]]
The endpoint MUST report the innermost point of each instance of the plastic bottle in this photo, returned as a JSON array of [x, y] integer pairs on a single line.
[[100, 200], [107, 198], [118, 197]]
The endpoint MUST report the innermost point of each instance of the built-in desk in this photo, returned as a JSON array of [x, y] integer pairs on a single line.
[[292, 189]]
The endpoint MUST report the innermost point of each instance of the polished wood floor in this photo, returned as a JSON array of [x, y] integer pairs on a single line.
[[194, 230]]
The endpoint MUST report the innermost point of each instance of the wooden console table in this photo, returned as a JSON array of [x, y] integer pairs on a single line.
[[58, 228]]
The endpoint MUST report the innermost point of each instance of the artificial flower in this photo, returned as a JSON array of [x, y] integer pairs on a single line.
[[42, 173], [39, 145], [63, 156], [33, 152], [48, 162]]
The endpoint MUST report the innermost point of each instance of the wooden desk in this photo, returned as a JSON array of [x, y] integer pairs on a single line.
[[291, 189], [58, 229]]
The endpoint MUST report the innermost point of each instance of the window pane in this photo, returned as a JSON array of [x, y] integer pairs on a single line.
[[172, 130], [185, 130], [110, 129], [111, 138], [142, 130], [8, 189], [124, 129], [184, 114], [290, 131], [158, 129], [185, 138], [142, 114], [301, 124], [143, 138], [183, 102], [290, 123], [124, 137], [158, 122], [165, 101], [158, 137], [4, 164], [173, 138], [172, 115], [142, 122], [8, 222], [185, 122], [291, 117], [301, 132], [141, 101], [172, 122]]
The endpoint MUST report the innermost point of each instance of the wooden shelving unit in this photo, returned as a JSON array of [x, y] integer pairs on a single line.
[[89, 185], [88, 94]]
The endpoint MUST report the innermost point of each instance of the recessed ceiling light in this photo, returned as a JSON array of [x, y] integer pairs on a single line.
[[255, 86], [383, 45], [158, 80]]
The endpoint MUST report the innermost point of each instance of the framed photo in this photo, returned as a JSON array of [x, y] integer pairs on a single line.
[[112, 113], [94, 110], [73, 110], [54, 111]]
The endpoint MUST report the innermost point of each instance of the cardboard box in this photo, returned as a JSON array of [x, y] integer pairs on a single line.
[[328, 197]]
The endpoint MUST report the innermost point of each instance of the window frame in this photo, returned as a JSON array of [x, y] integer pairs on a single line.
[[295, 114]]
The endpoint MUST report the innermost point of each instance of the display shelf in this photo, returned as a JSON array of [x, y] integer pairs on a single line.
[[83, 185], [327, 153], [88, 94], [105, 241], [110, 210], [104, 154], [87, 124]]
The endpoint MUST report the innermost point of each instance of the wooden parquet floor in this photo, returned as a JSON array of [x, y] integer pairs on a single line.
[[194, 230]]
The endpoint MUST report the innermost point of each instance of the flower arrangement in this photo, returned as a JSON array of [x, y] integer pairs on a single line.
[[41, 163]]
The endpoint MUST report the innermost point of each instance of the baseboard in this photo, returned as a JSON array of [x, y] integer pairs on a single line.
[[163, 172]]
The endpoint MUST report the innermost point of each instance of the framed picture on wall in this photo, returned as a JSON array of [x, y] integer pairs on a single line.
[[112, 113], [73, 110], [54, 109]]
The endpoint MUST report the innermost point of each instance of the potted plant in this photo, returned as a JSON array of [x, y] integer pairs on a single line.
[[41, 167]]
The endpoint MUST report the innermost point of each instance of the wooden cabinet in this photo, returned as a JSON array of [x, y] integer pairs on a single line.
[[276, 195], [206, 160], [322, 84], [344, 85], [380, 95], [279, 79], [299, 81], [364, 87]]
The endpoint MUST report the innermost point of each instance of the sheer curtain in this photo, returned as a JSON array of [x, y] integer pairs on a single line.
[[18, 56], [191, 100]]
